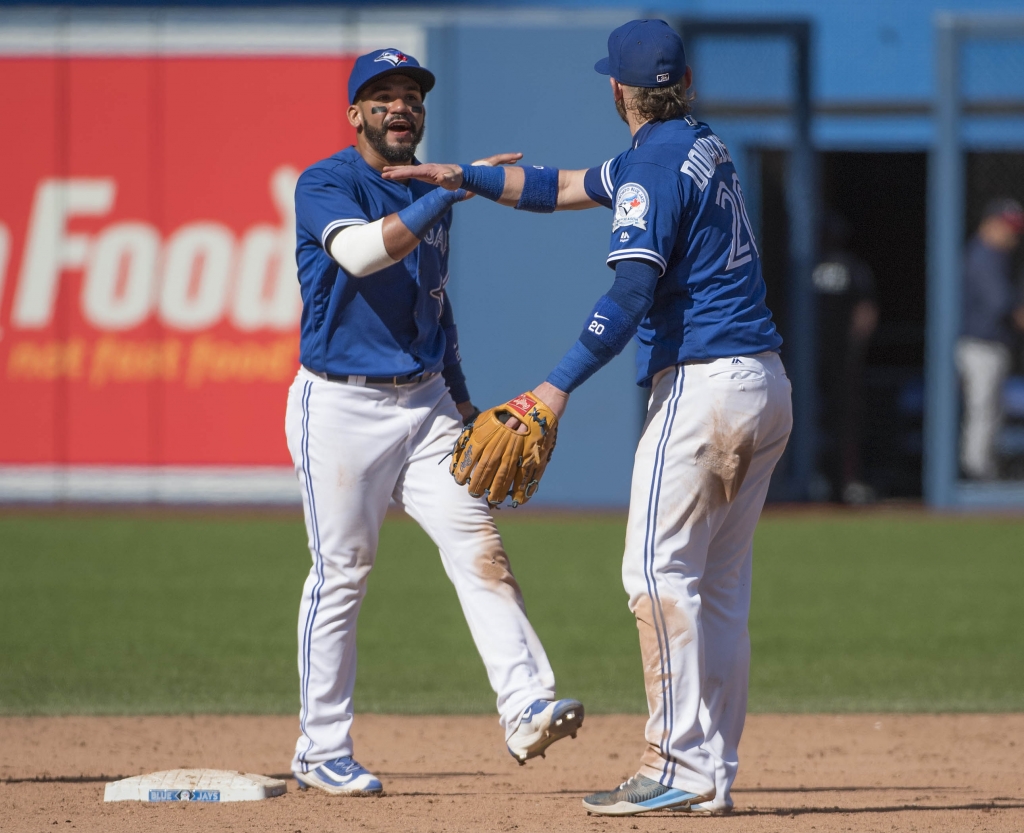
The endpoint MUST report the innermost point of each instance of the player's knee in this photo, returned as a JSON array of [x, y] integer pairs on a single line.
[[351, 564], [492, 567]]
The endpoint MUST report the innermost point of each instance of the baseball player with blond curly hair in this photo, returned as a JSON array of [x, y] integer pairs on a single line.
[[379, 399], [688, 286]]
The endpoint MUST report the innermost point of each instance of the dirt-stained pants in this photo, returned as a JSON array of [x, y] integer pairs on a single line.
[[713, 435], [355, 449]]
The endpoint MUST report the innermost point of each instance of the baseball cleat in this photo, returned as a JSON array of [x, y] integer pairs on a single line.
[[542, 723], [342, 776], [640, 794], [706, 809]]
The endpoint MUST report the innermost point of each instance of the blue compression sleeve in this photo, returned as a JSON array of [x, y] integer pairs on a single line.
[[422, 215], [454, 378], [485, 180], [540, 190], [633, 289], [612, 324]]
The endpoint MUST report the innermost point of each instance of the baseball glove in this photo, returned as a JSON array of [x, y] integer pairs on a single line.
[[494, 459]]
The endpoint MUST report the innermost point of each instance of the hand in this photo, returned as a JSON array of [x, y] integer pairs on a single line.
[[551, 396], [445, 176], [448, 177], [499, 159]]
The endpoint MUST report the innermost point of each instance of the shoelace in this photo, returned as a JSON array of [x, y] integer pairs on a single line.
[[347, 769]]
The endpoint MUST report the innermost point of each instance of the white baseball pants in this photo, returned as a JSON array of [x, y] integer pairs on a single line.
[[356, 448], [983, 367], [713, 435]]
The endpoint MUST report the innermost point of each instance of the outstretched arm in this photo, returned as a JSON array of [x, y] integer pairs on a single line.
[[612, 323], [363, 249], [545, 189]]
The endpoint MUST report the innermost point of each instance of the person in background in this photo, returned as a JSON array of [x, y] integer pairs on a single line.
[[847, 317], [991, 312]]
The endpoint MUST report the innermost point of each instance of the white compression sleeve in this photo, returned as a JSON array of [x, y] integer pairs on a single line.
[[360, 249]]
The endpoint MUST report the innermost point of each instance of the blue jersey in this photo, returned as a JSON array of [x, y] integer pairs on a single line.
[[678, 204], [384, 324]]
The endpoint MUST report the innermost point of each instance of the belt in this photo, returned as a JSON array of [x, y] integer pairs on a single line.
[[407, 379]]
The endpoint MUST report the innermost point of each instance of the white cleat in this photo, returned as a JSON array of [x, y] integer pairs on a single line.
[[342, 776], [706, 808], [542, 723]]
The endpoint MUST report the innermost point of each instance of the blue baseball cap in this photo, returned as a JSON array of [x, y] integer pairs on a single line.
[[381, 62], [644, 53]]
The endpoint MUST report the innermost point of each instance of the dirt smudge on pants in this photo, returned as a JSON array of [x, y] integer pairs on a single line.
[[494, 567], [675, 630], [725, 457], [655, 678]]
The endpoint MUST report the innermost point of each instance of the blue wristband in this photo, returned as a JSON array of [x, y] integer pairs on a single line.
[[485, 180], [422, 215], [540, 190], [576, 366]]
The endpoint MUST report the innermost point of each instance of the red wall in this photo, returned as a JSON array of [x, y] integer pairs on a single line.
[[148, 302]]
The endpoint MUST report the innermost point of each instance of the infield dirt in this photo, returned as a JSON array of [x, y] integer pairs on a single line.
[[798, 773]]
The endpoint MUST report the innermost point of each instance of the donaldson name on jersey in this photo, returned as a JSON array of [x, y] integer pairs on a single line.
[[678, 204]]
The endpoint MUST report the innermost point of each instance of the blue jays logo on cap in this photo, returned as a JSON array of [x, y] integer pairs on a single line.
[[390, 61], [393, 57], [644, 53]]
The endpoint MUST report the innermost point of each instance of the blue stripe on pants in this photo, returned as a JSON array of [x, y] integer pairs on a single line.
[[657, 615], [307, 634]]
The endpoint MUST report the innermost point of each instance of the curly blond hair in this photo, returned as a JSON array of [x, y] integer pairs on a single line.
[[661, 103]]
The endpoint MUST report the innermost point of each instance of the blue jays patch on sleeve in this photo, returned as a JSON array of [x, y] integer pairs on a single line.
[[631, 206], [648, 207]]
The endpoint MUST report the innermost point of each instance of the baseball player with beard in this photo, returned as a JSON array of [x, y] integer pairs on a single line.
[[688, 285], [379, 399]]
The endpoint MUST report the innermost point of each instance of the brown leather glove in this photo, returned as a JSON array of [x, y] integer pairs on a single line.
[[494, 459]]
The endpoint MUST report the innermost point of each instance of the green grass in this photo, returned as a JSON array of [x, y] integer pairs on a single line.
[[124, 613]]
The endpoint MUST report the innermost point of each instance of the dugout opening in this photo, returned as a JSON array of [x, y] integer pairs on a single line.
[[882, 198], [990, 175]]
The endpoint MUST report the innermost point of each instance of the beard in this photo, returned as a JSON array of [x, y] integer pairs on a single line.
[[394, 154], [620, 107]]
